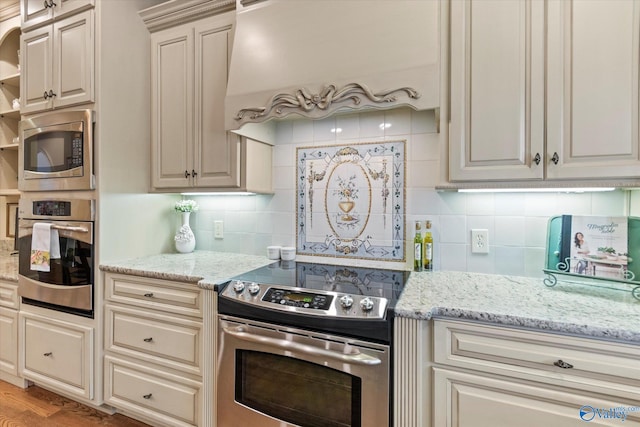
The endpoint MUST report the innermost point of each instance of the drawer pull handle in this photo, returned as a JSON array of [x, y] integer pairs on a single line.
[[48, 354], [147, 396], [149, 295], [562, 364], [147, 339]]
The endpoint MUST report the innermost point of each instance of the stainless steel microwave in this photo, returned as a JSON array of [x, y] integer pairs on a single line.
[[56, 151]]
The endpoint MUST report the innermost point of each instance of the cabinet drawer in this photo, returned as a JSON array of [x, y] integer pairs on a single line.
[[58, 353], [167, 340], [9, 295], [169, 399], [511, 351], [176, 298]]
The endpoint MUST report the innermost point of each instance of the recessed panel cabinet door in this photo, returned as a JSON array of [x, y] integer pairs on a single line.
[[172, 108], [497, 90], [73, 60], [35, 55], [592, 115], [216, 159]]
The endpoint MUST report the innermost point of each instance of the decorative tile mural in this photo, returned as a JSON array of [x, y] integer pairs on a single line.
[[351, 201]]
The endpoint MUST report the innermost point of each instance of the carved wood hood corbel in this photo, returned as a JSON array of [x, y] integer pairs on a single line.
[[313, 58]]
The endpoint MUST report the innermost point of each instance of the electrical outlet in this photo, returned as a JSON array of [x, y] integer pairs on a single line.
[[480, 241], [218, 230]]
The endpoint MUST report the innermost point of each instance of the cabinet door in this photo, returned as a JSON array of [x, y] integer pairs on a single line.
[[470, 400], [9, 341], [497, 90], [56, 353], [593, 89], [36, 49], [73, 60], [172, 107], [216, 160]]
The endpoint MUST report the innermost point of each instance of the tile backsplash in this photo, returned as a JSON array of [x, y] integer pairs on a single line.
[[517, 222]]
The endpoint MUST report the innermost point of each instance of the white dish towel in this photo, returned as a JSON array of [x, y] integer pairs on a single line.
[[45, 246]]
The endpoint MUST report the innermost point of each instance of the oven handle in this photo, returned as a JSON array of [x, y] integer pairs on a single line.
[[355, 358], [63, 228]]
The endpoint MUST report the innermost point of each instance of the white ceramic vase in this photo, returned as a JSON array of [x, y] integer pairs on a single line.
[[184, 238]]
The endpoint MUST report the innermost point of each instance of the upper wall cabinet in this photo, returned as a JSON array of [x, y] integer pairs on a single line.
[[497, 90], [190, 148], [39, 12], [499, 97], [58, 62], [592, 92]]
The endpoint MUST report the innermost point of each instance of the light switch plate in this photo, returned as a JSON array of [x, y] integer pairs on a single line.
[[480, 241], [218, 230]]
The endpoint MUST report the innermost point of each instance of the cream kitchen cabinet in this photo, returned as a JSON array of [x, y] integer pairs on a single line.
[[474, 374], [57, 353], [497, 90], [517, 115], [154, 349], [487, 376], [190, 147], [39, 12], [58, 62], [9, 306]]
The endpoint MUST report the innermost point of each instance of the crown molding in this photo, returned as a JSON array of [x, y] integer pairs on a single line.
[[9, 9], [176, 12]]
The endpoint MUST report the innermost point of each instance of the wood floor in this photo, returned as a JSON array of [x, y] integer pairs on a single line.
[[36, 407]]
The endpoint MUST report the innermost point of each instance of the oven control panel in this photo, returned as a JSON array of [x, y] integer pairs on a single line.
[[313, 302]]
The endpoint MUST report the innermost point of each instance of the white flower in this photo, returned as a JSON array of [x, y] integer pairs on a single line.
[[186, 206]]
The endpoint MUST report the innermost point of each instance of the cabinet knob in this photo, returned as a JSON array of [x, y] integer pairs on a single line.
[[149, 295], [46, 4], [48, 354], [147, 396], [46, 94], [52, 93], [537, 159], [562, 364], [555, 158], [194, 173], [147, 339], [187, 174]]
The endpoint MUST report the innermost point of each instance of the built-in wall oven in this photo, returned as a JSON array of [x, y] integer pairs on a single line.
[[56, 151], [310, 345], [68, 283]]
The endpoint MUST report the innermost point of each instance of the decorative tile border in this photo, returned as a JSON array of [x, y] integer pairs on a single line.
[[351, 200]]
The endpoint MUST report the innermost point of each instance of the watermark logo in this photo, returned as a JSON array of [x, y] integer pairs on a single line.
[[589, 413]]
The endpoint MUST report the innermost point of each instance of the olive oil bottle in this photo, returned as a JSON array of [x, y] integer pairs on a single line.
[[417, 249], [427, 247]]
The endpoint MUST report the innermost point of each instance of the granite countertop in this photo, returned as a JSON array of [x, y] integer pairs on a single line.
[[502, 300], [524, 302], [205, 268], [8, 267]]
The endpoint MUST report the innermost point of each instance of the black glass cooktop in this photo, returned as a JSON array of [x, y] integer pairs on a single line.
[[343, 279]]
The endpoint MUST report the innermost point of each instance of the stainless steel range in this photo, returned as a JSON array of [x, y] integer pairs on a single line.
[[304, 344]]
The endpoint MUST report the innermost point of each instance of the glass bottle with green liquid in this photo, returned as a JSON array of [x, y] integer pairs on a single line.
[[427, 247], [417, 249]]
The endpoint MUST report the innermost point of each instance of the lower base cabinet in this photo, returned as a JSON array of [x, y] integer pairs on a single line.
[[153, 365], [453, 373], [9, 305], [58, 354], [465, 399]]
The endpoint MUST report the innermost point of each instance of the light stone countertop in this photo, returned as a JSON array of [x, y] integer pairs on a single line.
[[502, 300], [570, 308], [8, 267], [206, 268]]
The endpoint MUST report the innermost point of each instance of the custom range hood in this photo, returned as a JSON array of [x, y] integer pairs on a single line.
[[315, 57]]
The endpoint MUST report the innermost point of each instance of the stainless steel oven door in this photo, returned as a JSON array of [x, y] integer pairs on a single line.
[[270, 375], [69, 283]]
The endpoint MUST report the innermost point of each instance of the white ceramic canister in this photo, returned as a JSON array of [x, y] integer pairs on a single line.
[[288, 253], [273, 252]]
